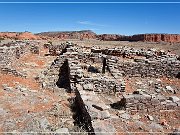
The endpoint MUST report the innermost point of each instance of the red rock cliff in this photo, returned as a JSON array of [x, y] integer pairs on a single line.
[[18, 35], [172, 38]]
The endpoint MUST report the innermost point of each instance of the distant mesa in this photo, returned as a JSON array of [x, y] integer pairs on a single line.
[[19, 35], [84, 34], [88, 34]]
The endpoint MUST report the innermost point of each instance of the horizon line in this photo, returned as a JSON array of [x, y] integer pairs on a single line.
[[41, 32], [97, 2]]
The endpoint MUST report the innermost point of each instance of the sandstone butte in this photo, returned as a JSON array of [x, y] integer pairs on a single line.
[[88, 34], [19, 35]]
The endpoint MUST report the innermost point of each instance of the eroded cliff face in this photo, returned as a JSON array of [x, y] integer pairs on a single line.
[[157, 38], [88, 34], [172, 38], [18, 35]]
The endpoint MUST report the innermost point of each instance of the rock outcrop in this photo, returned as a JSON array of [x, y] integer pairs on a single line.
[[88, 34], [156, 38], [172, 38], [18, 35], [27, 35]]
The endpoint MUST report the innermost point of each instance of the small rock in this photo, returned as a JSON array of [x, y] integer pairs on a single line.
[[4, 85], [136, 117], [150, 82], [125, 116], [158, 80], [105, 114], [150, 117], [25, 94], [23, 89], [121, 111], [34, 91], [8, 88], [138, 91], [169, 88], [174, 98], [44, 84], [88, 86], [163, 122], [178, 103], [158, 90]]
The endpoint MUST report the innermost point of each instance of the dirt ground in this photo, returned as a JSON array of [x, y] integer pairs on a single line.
[[173, 47]]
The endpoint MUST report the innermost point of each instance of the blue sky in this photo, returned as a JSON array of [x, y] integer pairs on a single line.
[[124, 19]]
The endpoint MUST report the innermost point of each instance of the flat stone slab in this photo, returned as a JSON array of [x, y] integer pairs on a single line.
[[125, 116], [102, 127]]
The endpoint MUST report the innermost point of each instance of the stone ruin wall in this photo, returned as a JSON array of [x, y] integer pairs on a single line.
[[63, 73], [148, 103], [9, 54], [142, 63], [12, 51], [67, 68], [100, 83], [70, 65], [150, 63]]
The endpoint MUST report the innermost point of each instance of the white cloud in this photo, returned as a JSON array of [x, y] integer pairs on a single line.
[[90, 23]]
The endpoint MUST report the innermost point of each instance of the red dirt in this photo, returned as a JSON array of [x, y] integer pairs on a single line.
[[10, 80]]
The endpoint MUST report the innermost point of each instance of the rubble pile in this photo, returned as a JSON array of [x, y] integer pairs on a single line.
[[9, 54], [55, 50]]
